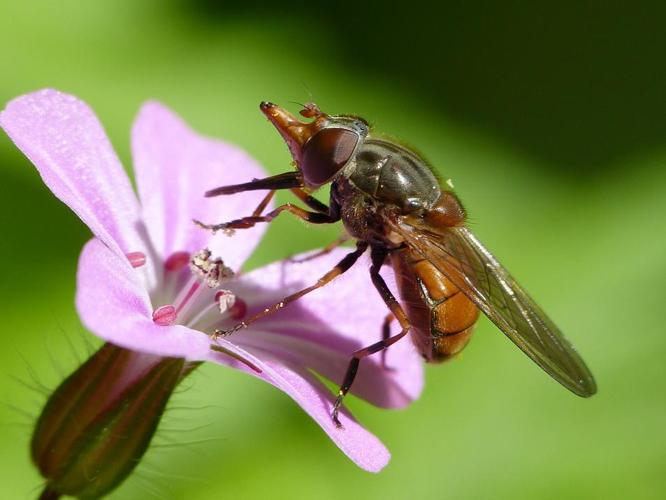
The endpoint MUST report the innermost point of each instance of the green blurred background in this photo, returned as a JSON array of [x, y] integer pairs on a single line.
[[550, 120]]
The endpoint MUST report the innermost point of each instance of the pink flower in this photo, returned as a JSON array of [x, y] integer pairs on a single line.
[[135, 288]]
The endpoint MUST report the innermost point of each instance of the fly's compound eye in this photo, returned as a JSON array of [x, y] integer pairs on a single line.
[[325, 153]]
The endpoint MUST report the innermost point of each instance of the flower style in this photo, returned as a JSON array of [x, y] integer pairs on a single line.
[[152, 282]]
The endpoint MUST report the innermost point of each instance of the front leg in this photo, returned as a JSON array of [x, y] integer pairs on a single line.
[[287, 180], [340, 268]]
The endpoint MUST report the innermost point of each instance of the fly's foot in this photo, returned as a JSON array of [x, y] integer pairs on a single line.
[[336, 410], [220, 334], [214, 228]]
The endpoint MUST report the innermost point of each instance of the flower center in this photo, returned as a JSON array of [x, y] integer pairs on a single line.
[[198, 302]]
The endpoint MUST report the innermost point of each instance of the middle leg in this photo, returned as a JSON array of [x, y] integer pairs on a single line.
[[247, 222]]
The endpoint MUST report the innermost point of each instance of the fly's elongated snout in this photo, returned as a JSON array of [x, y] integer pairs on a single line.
[[321, 147], [295, 132]]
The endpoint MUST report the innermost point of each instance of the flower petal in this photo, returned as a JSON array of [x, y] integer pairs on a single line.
[[114, 305], [64, 139], [174, 167], [322, 329], [311, 395]]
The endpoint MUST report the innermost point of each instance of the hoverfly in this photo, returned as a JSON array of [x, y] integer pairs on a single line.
[[390, 201]]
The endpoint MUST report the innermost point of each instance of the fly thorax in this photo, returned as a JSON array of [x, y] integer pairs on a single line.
[[393, 174]]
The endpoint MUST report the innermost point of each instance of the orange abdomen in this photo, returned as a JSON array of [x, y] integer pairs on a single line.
[[442, 317]]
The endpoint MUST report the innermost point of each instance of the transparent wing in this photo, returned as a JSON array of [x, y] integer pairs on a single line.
[[465, 261]]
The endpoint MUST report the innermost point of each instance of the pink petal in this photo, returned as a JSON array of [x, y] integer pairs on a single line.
[[113, 303], [174, 167], [322, 329], [311, 395], [64, 139]]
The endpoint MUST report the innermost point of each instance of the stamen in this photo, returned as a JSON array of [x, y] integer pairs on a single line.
[[218, 273], [205, 271], [187, 295], [199, 263], [224, 300], [164, 315], [238, 310], [176, 261], [136, 259], [211, 271], [172, 277]]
